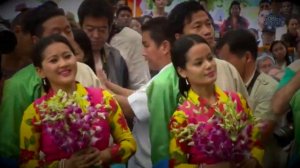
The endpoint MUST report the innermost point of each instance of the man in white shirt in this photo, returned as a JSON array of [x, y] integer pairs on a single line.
[[157, 52]]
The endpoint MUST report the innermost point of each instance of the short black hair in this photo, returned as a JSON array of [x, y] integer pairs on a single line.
[[179, 56], [95, 8], [123, 8], [239, 42], [157, 28], [85, 45], [234, 3], [180, 14], [37, 16], [19, 20]]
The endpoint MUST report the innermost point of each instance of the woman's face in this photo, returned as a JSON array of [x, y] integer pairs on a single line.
[[265, 65], [235, 10], [293, 26], [58, 65], [200, 66], [279, 52], [262, 17]]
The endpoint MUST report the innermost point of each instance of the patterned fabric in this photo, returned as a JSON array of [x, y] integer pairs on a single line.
[[38, 149], [181, 152], [274, 20]]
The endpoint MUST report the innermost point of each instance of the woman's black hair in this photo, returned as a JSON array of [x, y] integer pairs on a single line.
[[85, 45], [179, 57], [287, 58], [40, 47]]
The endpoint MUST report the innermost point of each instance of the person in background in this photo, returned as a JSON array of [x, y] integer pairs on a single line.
[[129, 43], [26, 86], [267, 37], [159, 8], [136, 24], [264, 5], [235, 20], [280, 53], [51, 55], [286, 8], [95, 19], [262, 14], [293, 31], [20, 57], [71, 18], [241, 52], [275, 18], [265, 63], [85, 48]]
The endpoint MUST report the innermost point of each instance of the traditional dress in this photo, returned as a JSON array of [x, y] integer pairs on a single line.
[[38, 147], [183, 154]]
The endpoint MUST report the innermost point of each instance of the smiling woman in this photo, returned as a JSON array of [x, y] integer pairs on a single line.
[[70, 111]]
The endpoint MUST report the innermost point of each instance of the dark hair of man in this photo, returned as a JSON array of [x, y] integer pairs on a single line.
[[239, 42], [179, 56], [157, 28], [234, 3], [19, 20], [85, 45], [182, 14], [95, 8], [35, 18], [123, 8], [40, 47]]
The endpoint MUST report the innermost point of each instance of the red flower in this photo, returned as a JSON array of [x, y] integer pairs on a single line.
[[113, 105], [26, 155], [122, 122]]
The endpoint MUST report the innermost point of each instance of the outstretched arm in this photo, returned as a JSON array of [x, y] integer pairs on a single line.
[[281, 99]]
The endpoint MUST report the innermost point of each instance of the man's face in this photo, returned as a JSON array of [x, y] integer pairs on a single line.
[[151, 51], [57, 25], [97, 29], [201, 25], [124, 18], [286, 8], [237, 62]]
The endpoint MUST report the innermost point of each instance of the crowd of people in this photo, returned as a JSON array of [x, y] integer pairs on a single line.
[[159, 90]]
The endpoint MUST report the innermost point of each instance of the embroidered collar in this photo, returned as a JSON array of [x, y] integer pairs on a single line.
[[196, 99]]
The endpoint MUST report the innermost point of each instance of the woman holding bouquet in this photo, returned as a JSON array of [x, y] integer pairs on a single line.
[[211, 127], [70, 126]]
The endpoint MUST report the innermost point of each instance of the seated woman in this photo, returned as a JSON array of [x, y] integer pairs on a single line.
[[280, 52], [202, 102], [70, 125]]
